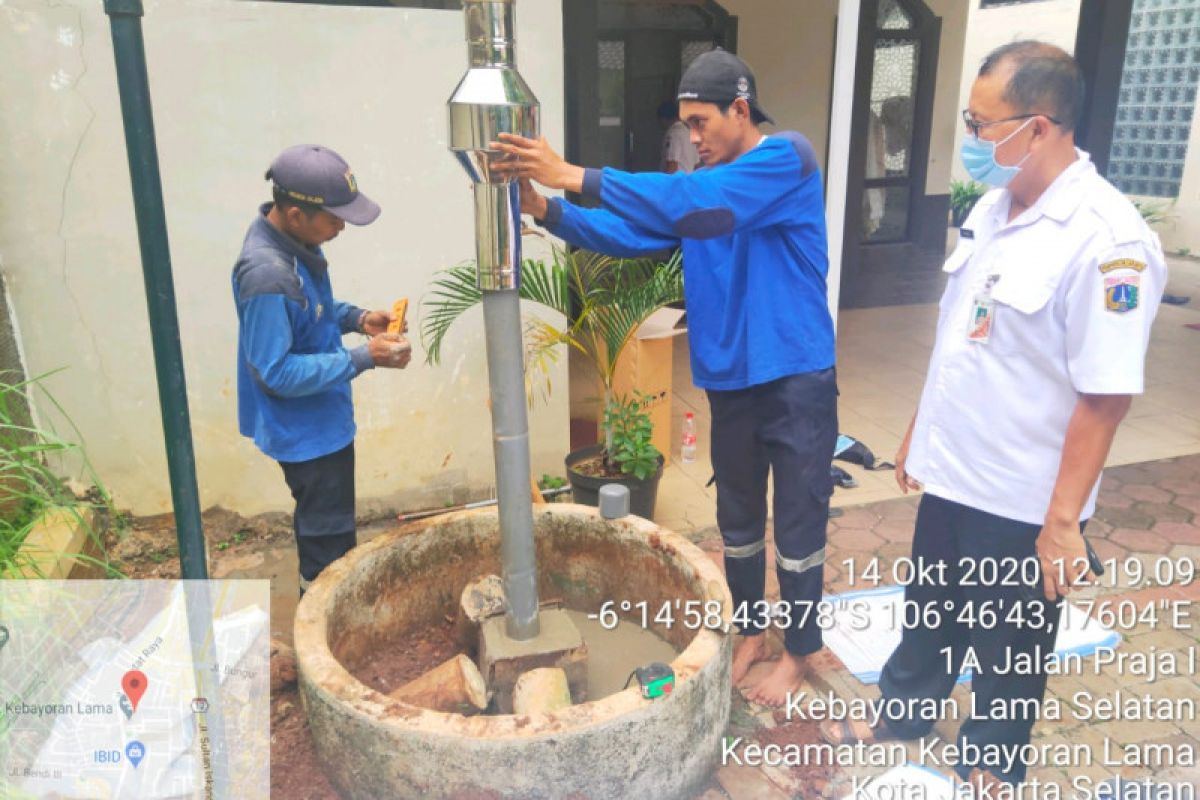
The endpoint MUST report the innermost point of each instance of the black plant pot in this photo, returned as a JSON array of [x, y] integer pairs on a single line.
[[586, 488]]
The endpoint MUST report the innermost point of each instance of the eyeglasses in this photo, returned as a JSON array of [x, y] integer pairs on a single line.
[[974, 125]]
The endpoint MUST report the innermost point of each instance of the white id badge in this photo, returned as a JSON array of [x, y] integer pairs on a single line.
[[983, 312]]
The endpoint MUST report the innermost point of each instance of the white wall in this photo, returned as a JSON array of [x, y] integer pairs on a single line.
[[232, 84], [943, 152], [1054, 21], [789, 46]]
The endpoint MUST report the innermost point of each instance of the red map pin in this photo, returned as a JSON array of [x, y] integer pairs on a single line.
[[134, 684]]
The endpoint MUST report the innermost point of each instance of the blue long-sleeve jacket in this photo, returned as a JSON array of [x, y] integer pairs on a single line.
[[755, 255], [293, 372]]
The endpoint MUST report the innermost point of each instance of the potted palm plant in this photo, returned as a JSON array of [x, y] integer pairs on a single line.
[[963, 197], [603, 301]]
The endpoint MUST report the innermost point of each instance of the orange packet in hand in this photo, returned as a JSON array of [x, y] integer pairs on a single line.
[[399, 309]]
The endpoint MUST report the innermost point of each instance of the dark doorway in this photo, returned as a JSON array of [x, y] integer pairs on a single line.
[[623, 58], [895, 232]]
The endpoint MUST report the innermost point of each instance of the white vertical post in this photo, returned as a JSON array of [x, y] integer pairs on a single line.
[[841, 113]]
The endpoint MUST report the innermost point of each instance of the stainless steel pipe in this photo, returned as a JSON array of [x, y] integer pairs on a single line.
[[492, 98]]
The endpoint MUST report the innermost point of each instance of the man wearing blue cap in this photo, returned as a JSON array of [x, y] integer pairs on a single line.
[[751, 223], [293, 371]]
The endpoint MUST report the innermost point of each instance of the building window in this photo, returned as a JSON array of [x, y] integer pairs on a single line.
[[1157, 98]]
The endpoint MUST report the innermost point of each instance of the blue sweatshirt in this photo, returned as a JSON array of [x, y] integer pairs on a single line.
[[754, 255], [293, 372]]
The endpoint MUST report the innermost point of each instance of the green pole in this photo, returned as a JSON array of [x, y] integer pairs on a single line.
[[130, 53]]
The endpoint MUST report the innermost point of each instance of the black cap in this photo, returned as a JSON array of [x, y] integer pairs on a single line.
[[719, 76], [318, 176]]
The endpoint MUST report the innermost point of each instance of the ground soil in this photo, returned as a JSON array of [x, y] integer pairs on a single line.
[[594, 467], [406, 658], [147, 547], [800, 733]]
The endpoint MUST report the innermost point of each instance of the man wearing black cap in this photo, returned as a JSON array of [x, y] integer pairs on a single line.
[[752, 227], [293, 372]]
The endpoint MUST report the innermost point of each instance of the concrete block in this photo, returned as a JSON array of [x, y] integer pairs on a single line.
[[558, 644]]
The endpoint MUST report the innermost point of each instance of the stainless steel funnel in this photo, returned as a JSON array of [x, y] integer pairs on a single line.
[[492, 98]]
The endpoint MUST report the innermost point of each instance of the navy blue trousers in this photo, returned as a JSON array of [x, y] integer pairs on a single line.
[[786, 428], [962, 539], [323, 522]]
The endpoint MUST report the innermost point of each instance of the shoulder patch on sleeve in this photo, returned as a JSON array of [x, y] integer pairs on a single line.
[[804, 149], [1121, 293], [266, 272], [1122, 263]]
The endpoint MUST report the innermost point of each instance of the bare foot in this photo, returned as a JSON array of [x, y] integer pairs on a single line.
[[787, 677], [746, 653]]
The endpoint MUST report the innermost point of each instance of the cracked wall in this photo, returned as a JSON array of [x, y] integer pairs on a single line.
[[233, 83]]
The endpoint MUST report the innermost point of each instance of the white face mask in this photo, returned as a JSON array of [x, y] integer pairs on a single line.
[[979, 158]]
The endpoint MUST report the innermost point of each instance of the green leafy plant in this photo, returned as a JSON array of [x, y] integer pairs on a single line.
[[631, 429], [600, 300], [963, 197], [548, 481], [29, 487]]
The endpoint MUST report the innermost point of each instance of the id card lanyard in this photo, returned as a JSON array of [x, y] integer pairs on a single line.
[[983, 313]]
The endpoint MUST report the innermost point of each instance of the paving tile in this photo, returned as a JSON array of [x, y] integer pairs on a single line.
[[1188, 486], [1178, 532], [1140, 540], [1125, 518], [1189, 502], [855, 541], [1162, 512], [1107, 549], [1146, 493]]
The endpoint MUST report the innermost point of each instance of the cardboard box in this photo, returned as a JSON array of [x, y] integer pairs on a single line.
[[646, 365]]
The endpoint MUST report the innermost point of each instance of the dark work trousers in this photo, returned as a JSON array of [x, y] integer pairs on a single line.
[[324, 519], [787, 427], [964, 538]]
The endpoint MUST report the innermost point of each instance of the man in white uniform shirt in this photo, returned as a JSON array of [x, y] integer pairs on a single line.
[[1041, 341], [679, 153]]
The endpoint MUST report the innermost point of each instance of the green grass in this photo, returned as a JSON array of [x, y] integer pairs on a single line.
[[29, 486]]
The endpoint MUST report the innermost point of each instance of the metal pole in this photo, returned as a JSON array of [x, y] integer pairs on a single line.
[[133, 83], [510, 442], [130, 54], [490, 99]]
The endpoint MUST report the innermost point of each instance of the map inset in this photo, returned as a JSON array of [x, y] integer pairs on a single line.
[[134, 689]]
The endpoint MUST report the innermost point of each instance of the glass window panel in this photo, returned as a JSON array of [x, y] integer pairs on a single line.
[[1157, 97], [893, 17], [893, 87]]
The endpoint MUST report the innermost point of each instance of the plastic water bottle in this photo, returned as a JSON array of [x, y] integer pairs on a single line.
[[687, 453]]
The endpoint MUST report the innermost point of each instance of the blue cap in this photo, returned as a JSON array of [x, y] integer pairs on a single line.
[[310, 173]]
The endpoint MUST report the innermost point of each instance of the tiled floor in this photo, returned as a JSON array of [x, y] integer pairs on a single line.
[[882, 356]]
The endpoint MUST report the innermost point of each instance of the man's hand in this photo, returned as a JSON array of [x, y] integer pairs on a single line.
[[1063, 557], [903, 480], [376, 322], [532, 201], [390, 350], [533, 159]]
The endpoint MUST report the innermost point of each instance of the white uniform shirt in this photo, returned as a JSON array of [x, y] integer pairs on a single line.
[[1080, 276], [678, 147]]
